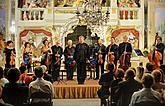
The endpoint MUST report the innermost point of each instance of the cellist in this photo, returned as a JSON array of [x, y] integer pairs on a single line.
[[100, 53], [125, 51], [112, 52]]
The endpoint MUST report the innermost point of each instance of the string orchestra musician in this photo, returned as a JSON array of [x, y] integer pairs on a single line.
[[9, 55], [100, 53], [160, 47], [46, 55], [125, 51], [156, 54], [112, 52], [69, 60], [27, 53], [57, 52]]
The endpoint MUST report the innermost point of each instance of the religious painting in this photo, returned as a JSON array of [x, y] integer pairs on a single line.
[[128, 3], [131, 33], [160, 22], [36, 37]]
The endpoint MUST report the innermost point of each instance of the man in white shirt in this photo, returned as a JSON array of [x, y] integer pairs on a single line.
[[40, 85], [147, 94]]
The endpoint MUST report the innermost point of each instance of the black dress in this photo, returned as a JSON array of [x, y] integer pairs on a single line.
[[8, 53]]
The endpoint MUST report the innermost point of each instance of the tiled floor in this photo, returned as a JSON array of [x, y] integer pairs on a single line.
[[76, 102]]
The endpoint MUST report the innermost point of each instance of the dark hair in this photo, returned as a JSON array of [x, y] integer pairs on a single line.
[[22, 69], [38, 71], [149, 66], [157, 75], [5, 71], [147, 80], [8, 42], [113, 38], [120, 73], [44, 41], [13, 75], [110, 67], [26, 43], [130, 74], [1, 72]]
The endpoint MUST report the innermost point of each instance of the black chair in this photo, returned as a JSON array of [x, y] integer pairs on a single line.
[[40, 99], [148, 103]]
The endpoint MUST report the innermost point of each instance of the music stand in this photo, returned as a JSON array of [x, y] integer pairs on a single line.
[[138, 52]]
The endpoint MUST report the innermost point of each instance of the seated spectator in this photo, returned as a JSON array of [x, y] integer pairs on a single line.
[[149, 67], [127, 88], [40, 85], [3, 80], [47, 76], [119, 75], [14, 93], [2, 103], [24, 78], [147, 94], [139, 73], [158, 86], [105, 81]]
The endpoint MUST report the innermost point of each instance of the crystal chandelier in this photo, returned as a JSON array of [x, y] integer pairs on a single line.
[[92, 14]]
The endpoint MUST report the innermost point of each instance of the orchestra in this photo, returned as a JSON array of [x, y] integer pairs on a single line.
[[76, 57]]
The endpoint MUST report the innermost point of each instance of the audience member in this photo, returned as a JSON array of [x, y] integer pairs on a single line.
[[139, 73], [147, 94], [3, 80], [105, 82], [127, 88], [24, 78], [119, 75], [2, 103], [149, 67], [40, 85], [47, 76], [15, 93], [158, 85]]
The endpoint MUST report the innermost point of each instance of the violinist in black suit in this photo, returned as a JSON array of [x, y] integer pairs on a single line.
[[100, 52], [57, 52]]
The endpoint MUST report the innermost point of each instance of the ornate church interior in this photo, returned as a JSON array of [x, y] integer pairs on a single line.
[[82, 52]]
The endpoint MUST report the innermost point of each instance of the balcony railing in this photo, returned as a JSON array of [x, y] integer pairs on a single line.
[[129, 13], [31, 14]]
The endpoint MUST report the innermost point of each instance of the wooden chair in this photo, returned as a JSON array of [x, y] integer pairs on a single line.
[[45, 99]]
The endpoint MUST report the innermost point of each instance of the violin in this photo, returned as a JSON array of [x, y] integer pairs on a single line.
[[12, 58], [57, 58], [111, 58], [100, 57]]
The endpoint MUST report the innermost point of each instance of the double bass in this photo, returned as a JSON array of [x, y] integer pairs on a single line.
[[155, 56]]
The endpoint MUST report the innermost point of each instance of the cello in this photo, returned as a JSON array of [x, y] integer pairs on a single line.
[[155, 56], [12, 58], [124, 60]]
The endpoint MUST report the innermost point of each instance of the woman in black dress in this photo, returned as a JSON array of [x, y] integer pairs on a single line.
[[9, 55]]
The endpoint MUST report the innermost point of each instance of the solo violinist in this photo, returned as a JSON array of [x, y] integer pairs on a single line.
[[100, 53], [125, 51], [57, 52], [9, 55], [112, 52]]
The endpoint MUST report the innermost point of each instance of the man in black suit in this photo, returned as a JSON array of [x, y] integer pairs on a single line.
[[125, 50], [57, 52], [100, 52], [81, 56], [105, 81], [127, 88]]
